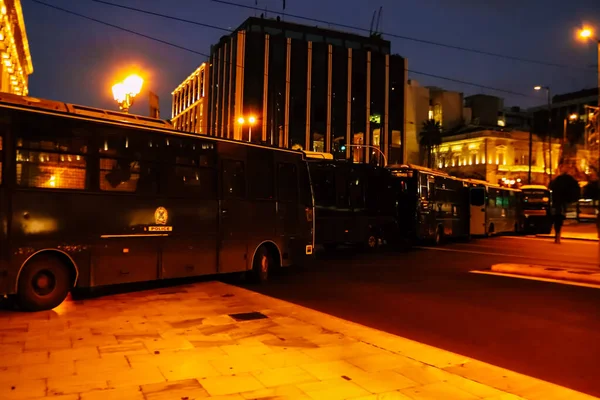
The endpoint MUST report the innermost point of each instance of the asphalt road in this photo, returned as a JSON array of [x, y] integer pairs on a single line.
[[546, 330]]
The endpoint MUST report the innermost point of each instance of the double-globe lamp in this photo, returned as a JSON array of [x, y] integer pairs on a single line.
[[125, 92]]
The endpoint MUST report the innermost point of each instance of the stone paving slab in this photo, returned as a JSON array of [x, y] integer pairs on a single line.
[[187, 343]]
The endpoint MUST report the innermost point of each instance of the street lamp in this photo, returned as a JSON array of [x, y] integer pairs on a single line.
[[547, 88], [585, 34], [124, 92], [343, 148], [251, 121]]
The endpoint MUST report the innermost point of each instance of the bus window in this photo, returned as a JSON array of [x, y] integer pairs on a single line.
[[123, 163], [323, 180], [188, 172], [51, 161], [260, 174], [424, 191], [288, 183], [234, 179], [477, 197], [356, 195]]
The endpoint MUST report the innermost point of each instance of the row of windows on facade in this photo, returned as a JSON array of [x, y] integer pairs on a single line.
[[187, 174], [328, 38], [476, 159], [192, 91], [191, 120]]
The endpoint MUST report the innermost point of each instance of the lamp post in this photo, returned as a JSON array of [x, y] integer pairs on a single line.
[[251, 121], [343, 148], [125, 92], [547, 88], [587, 33]]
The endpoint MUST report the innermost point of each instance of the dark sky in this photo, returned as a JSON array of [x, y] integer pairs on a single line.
[[77, 61]]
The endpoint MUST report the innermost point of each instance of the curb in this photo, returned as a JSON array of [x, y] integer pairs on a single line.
[[540, 271], [550, 236]]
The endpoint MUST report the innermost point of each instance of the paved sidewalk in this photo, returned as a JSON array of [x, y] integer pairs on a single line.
[[187, 343], [581, 231]]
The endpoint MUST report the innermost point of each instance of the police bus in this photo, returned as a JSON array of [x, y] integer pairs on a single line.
[[354, 203], [90, 197], [432, 205]]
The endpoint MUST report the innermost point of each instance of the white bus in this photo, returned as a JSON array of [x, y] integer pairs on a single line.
[[493, 209]]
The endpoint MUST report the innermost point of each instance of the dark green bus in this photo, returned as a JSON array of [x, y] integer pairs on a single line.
[[90, 197]]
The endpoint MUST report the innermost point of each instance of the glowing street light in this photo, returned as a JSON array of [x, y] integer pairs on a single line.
[[586, 33], [125, 92], [573, 117], [251, 121]]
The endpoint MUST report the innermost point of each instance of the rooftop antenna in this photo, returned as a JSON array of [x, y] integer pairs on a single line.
[[375, 33], [372, 22]]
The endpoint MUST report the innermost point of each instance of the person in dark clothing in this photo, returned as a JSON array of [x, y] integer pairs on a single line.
[[558, 219]]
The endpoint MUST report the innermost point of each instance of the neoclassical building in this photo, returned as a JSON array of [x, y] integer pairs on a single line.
[[16, 63], [497, 156]]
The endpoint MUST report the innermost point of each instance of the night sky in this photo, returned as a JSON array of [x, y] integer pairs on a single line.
[[77, 61]]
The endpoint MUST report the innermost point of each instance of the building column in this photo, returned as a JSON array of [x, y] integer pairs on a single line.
[[385, 134], [327, 138], [367, 140], [349, 108], [288, 68], [265, 106], [308, 139], [174, 97], [239, 83], [229, 133]]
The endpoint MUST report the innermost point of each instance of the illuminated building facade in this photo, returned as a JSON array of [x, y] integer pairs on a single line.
[[189, 112], [16, 59], [497, 156], [273, 82]]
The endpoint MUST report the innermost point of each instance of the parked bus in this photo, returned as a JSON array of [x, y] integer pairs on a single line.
[[493, 209], [90, 198], [353, 203], [536, 203], [432, 205]]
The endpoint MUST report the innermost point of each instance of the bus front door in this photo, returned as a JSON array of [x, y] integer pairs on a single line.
[[477, 211]]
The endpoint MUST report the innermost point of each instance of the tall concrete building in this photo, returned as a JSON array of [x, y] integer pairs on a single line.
[[297, 86], [16, 63]]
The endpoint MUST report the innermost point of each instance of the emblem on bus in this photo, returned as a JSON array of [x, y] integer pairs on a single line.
[[161, 216]]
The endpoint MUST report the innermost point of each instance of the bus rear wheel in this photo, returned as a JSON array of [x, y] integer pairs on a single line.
[[44, 283], [262, 264]]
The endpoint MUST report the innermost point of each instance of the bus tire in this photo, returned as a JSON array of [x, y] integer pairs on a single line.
[[44, 283], [262, 264]]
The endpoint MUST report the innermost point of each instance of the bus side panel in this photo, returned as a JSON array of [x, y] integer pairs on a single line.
[[54, 220], [190, 249]]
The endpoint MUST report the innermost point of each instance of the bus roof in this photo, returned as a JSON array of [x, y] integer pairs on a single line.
[[44, 106], [420, 168], [318, 155], [534, 187]]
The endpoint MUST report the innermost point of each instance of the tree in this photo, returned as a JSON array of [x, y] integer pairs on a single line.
[[430, 137], [565, 190]]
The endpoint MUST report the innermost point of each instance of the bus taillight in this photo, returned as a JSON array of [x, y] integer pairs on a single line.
[[309, 214]]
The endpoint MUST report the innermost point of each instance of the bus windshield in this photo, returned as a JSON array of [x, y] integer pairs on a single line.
[[535, 199]]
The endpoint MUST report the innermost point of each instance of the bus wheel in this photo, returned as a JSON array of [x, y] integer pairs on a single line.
[[262, 264], [44, 283]]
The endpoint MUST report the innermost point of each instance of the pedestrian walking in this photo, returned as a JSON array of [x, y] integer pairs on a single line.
[[558, 219]]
